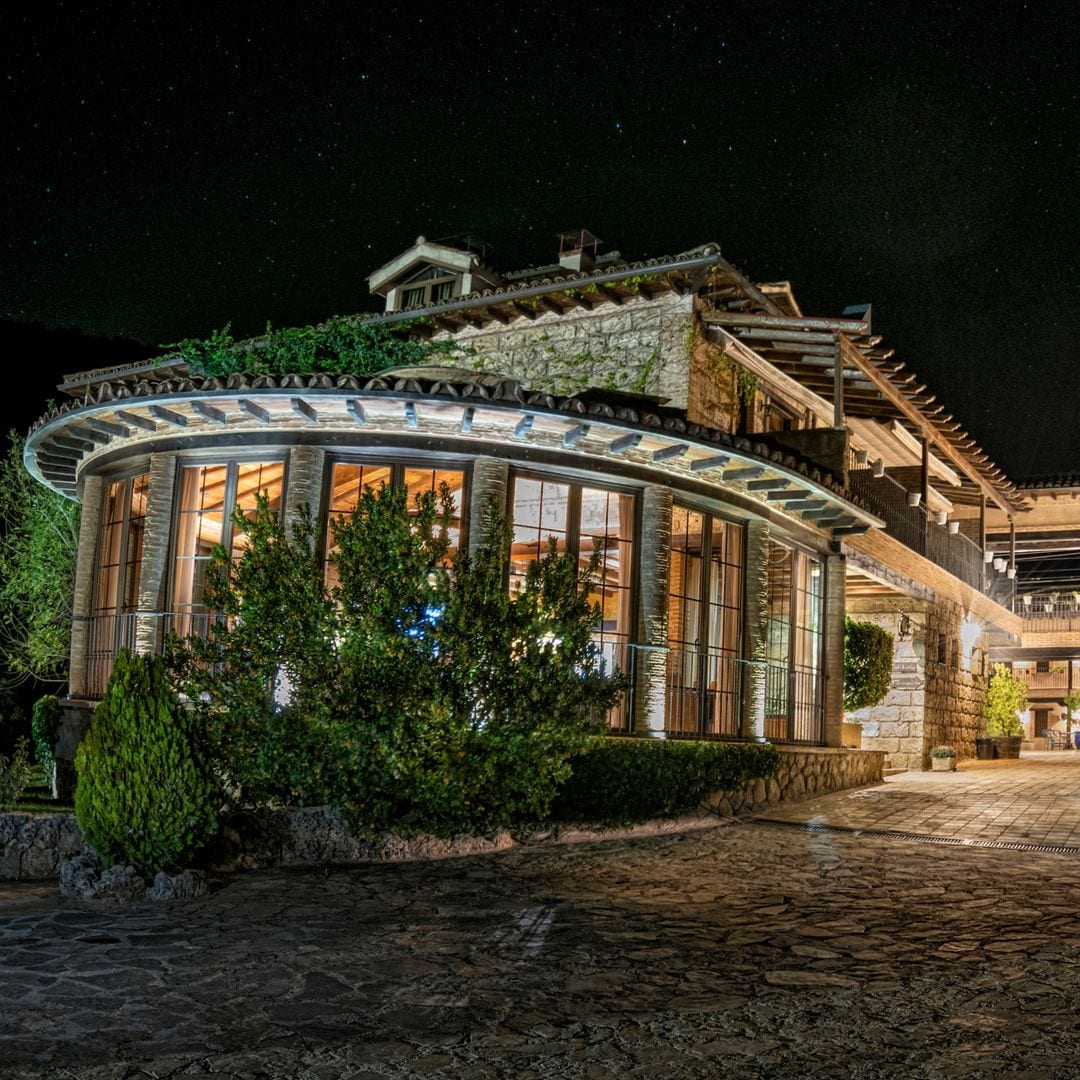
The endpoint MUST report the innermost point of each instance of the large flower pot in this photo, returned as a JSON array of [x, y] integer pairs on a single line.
[[984, 749], [943, 764], [1008, 746]]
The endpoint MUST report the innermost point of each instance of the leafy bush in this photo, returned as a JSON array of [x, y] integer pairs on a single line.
[[145, 796], [44, 727], [868, 657], [943, 752], [625, 780], [15, 773], [353, 346], [421, 696], [39, 535], [1006, 696]]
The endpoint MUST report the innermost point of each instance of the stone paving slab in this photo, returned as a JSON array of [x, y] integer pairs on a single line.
[[739, 951], [1035, 800]]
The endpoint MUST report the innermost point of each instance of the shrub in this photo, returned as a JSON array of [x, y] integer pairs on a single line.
[[624, 780], [1006, 696], [15, 773], [144, 795], [44, 727], [421, 697], [943, 752], [868, 657]]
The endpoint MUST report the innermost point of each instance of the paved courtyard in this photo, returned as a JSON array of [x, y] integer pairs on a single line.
[[735, 951]]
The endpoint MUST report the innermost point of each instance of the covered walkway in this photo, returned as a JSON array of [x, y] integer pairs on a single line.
[[1033, 801]]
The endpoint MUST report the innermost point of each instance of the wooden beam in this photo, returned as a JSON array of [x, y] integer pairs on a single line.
[[522, 309], [132, 420], [746, 286], [108, 428], [411, 420], [302, 408], [703, 464], [523, 426], [669, 453], [909, 411], [750, 472], [208, 412], [784, 322], [623, 443], [575, 434], [467, 420], [356, 411], [254, 410]]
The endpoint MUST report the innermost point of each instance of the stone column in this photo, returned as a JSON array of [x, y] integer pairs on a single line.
[[490, 480], [755, 630], [833, 648], [154, 570], [307, 465], [83, 596], [650, 664]]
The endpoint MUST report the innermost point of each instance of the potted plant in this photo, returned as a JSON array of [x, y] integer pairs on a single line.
[[943, 759], [1072, 701], [1006, 695]]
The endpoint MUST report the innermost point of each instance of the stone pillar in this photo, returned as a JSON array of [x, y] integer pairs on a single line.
[[154, 570], [833, 648], [307, 465], [82, 604], [755, 630], [490, 480], [650, 665]]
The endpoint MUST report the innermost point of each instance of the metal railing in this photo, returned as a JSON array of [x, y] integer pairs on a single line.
[[794, 705], [702, 693], [108, 634], [1052, 681], [1048, 613], [914, 528]]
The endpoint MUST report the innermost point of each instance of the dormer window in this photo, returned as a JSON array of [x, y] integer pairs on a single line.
[[432, 285]]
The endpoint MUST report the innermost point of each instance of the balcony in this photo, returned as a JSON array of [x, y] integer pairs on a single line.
[[916, 529], [1049, 613]]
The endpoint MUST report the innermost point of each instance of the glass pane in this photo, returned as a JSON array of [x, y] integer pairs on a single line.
[[540, 510], [420, 481]]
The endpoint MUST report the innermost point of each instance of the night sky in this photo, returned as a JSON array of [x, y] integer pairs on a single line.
[[165, 173]]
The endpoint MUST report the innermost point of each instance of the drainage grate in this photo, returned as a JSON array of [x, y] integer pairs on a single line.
[[922, 838]]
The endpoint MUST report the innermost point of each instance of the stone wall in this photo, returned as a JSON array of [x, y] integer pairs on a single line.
[[637, 346], [805, 772], [32, 847], [937, 690]]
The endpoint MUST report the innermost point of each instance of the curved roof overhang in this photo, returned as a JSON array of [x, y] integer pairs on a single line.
[[484, 416]]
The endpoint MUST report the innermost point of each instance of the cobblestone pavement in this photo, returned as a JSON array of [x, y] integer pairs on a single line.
[[737, 951], [1033, 800]]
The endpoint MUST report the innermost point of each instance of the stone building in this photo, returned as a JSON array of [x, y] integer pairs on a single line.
[[749, 474]]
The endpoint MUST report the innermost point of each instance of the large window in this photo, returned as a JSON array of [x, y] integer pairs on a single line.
[[581, 519], [348, 479], [209, 494], [116, 583], [793, 701], [704, 624]]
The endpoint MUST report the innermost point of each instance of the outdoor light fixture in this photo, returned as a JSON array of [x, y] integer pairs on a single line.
[[954, 527], [879, 468], [903, 631]]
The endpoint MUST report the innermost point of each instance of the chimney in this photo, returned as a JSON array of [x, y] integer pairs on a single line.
[[577, 250]]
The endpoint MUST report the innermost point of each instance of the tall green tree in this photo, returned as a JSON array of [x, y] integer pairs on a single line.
[[38, 546], [1006, 697]]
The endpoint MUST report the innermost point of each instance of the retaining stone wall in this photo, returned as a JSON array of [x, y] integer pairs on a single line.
[[32, 848]]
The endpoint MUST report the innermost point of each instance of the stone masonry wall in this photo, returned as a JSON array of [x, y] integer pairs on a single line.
[[33, 847], [637, 346], [937, 691]]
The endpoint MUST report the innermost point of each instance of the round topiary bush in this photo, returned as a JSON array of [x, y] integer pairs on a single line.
[[868, 657], [145, 794]]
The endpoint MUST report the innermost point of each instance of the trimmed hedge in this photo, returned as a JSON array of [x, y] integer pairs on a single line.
[[627, 780], [44, 727]]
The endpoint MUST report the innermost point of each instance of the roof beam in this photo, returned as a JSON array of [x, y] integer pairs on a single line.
[[784, 322], [910, 412]]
